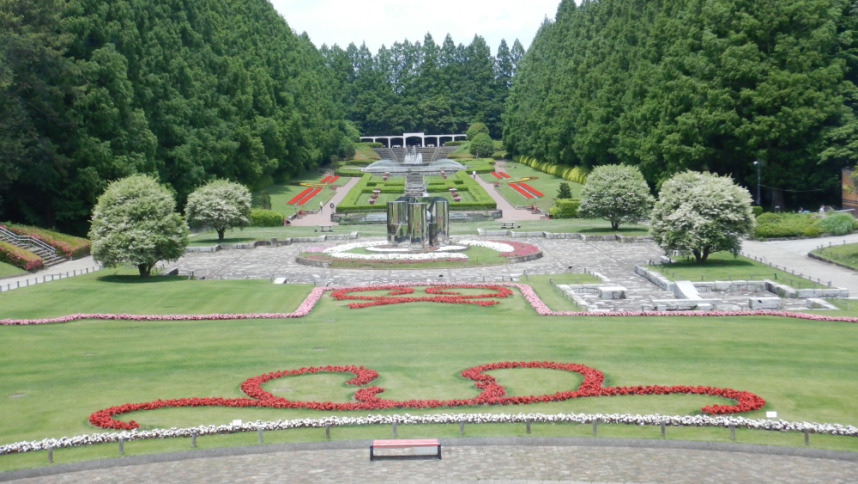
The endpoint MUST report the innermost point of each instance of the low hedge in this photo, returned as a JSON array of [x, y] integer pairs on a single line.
[[454, 143], [575, 174], [265, 218], [346, 164], [20, 258], [65, 245], [779, 225], [370, 144], [482, 200], [565, 208]]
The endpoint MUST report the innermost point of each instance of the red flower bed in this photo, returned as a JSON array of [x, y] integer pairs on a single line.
[[519, 248], [326, 179], [524, 193], [309, 196], [299, 196], [20, 258], [449, 297], [333, 179], [492, 393], [531, 189], [496, 175], [503, 174]]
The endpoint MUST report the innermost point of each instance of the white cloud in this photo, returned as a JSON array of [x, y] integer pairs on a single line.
[[383, 22]]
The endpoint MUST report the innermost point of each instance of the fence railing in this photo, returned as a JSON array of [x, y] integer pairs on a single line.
[[9, 235]]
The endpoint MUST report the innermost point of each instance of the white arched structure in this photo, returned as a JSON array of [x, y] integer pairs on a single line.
[[405, 136]]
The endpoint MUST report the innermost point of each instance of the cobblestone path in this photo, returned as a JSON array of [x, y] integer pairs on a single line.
[[486, 464]]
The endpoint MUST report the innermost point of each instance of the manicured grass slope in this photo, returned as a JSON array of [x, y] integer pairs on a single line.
[[723, 266], [844, 254], [549, 185], [7, 270], [283, 192], [805, 370]]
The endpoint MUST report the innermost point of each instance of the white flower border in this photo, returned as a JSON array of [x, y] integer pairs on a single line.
[[469, 418], [489, 244], [341, 252]]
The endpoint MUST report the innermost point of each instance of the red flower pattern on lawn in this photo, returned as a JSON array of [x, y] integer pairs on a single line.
[[492, 393], [449, 297]]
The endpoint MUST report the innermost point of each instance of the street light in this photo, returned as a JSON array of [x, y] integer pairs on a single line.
[[757, 163]]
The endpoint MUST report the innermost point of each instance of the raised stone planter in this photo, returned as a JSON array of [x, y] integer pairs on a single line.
[[526, 258], [764, 303], [612, 292], [655, 278], [312, 262]]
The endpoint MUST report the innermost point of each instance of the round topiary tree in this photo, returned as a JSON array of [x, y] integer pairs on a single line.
[[221, 205], [482, 146], [135, 221], [701, 213], [616, 193], [476, 129]]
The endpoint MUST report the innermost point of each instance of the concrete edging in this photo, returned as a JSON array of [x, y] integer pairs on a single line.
[[454, 442]]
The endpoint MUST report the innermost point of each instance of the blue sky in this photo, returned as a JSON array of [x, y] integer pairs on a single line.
[[378, 22]]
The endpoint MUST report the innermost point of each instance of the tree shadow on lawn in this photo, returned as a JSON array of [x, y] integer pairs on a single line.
[[136, 279]]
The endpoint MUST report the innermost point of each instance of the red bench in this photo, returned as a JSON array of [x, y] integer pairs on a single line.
[[403, 443]]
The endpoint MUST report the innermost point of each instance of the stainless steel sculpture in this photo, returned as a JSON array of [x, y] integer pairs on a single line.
[[397, 222], [419, 222]]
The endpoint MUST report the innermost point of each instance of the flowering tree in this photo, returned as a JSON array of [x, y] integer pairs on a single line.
[[701, 213], [221, 205], [135, 221], [616, 193]]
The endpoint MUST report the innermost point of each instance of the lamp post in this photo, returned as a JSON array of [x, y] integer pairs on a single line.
[[757, 164]]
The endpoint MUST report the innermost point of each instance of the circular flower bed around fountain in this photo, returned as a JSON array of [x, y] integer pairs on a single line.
[[378, 254]]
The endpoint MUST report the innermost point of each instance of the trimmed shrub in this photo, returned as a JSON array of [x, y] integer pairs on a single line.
[[477, 129], [758, 210], [565, 191], [575, 174], [65, 245], [482, 146], [837, 224], [20, 258], [778, 225], [564, 208], [265, 218], [454, 143]]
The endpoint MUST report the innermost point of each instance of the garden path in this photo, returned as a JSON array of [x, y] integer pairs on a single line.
[[793, 255], [506, 463], [55, 273]]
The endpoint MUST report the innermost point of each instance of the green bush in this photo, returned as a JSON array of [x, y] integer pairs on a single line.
[[837, 224], [477, 129], [575, 174], [778, 225], [758, 210], [564, 208], [265, 218], [482, 146], [564, 191], [455, 143]]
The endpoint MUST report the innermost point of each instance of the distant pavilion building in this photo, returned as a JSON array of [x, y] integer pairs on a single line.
[[390, 141]]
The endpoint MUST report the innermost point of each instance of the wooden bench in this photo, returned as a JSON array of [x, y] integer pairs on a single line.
[[326, 228], [403, 443], [507, 225]]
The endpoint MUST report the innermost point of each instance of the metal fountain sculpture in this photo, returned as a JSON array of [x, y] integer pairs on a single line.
[[418, 223]]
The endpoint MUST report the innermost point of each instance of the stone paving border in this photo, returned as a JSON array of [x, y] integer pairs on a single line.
[[454, 442]]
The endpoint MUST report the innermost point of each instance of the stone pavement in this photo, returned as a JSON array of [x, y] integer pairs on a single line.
[[793, 255], [55, 273], [507, 464]]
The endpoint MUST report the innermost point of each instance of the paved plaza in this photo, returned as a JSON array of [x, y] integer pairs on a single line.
[[484, 463]]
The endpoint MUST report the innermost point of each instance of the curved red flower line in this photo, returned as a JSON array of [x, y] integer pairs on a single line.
[[492, 393], [449, 297]]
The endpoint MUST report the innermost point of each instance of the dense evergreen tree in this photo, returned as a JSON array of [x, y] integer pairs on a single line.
[[423, 86], [187, 90], [671, 85]]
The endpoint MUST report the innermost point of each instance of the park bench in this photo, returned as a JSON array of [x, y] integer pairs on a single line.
[[326, 228], [507, 225], [403, 443]]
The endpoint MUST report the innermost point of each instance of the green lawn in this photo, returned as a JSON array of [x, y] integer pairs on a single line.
[[281, 193], [59, 374], [7, 270], [722, 266], [549, 185], [844, 254]]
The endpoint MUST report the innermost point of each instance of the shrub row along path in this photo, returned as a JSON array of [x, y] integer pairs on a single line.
[[324, 217], [507, 464], [792, 254]]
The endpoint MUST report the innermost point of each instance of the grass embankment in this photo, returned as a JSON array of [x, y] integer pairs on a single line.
[[8, 270], [64, 244], [846, 254], [723, 266], [584, 226], [282, 193], [365, 153], [52, 377], [549, 185]]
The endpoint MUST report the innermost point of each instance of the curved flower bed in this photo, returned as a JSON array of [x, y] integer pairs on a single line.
[[519, 249], [20, 258], [341, 252], [448, 297], [447, 418], [540, 307], [492, 393]]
